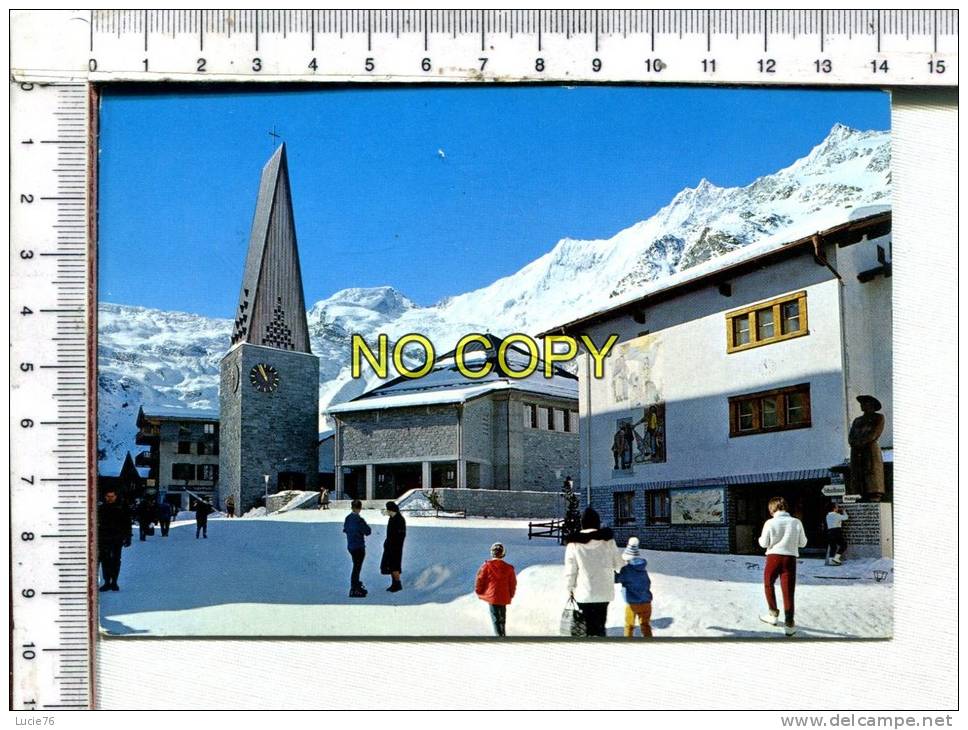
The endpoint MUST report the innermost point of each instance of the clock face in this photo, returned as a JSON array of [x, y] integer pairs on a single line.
[[264, 378]]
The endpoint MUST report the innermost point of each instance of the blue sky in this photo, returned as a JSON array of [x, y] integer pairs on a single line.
[[435, 191]]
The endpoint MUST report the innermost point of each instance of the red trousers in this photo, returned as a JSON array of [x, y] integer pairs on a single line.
[[783, 567]]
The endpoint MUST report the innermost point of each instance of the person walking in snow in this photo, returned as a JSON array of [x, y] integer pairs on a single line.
[[202, 510], [113, 534], [146, 516], [591, 561], [392, 561], [324, 498], [356, 531], [164, 518], [638, 590], [230, 506], [495, 585], [783, 536], [836, 544]]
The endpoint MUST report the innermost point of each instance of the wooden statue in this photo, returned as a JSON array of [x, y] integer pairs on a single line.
[[866, 463]]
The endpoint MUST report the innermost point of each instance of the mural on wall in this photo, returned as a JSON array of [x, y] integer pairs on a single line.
[[698, 506], [639, 438], [640, 441]]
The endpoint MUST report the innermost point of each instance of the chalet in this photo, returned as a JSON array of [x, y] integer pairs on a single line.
[[445, 430], [129, 483], [182, 454], [737, 380]]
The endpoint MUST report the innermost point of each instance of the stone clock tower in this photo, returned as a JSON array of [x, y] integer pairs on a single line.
[[269, 382]]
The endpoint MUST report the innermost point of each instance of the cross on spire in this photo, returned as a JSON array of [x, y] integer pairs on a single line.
[[275, 135]]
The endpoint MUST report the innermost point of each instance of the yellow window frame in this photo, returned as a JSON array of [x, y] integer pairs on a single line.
[[774, 305]]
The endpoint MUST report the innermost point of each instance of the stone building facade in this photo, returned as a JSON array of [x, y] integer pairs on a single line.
[[447, 431], [736, 381]]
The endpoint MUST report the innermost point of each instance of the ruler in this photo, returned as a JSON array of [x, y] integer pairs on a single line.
[[50, 371], [58, 58], [855, 47]]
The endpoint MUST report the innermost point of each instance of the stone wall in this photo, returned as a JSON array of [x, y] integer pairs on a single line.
[[688, 538], [404, 434], [546, 457], [477, 431], [267, 433], [498, 503], [869, 531]]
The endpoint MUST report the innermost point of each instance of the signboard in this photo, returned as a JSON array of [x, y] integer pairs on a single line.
[[833, 490], [851, 498]]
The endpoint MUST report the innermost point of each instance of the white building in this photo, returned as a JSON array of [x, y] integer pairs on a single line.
[[735, 381]]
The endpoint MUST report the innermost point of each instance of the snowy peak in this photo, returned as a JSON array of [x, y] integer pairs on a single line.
[[384, 300]]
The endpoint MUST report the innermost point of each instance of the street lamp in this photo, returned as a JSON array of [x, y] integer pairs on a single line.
[[265, 478]]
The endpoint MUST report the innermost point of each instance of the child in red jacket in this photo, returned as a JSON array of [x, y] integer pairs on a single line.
[[495, 584]]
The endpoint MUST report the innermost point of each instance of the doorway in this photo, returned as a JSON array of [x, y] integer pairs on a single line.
[[807, 504]]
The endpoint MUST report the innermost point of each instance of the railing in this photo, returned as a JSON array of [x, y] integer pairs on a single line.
[[553, 528]]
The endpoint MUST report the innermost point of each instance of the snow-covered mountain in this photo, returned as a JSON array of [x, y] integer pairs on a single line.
[[153, 358]]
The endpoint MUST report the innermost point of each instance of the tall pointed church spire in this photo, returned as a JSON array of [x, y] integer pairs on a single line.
[[272, 309]]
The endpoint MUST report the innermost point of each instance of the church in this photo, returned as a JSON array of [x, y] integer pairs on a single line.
[[269, 378]]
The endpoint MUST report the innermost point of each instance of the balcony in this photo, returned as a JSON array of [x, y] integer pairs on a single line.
[[147, 436]]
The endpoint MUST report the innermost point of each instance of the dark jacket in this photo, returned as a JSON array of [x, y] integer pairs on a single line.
[[202, 511], [585, 537], [147, 512], [393, 545], [635, 579], [164, 511], [356, 531], [113, 523]]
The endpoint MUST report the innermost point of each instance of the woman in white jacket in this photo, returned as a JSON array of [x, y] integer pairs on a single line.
[[782, 536], [591, 560]]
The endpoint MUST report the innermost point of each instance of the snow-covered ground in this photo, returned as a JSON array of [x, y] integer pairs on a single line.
[[288, 575]]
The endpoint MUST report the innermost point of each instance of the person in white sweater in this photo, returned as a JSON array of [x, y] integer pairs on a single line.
[[591, 560], [782, 536]]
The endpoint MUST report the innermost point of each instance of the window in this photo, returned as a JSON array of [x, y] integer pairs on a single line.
[[624, 506], [779, 319], [550, 418], [210, 428], [570, 421], [658, 507], [183, 472], [207, 448], [560, 417], [542, 421], [530, 415], [770, 410], [184, 447], [207, 472]]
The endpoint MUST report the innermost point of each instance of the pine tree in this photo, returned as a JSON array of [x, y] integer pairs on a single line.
[[572, 523]]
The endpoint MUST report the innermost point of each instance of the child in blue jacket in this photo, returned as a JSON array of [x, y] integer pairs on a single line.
[[638, 590]]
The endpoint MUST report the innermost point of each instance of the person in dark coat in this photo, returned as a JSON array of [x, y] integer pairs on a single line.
[[392, 562], [230, 506], [113, 534], [356, 530], [146, 516], [202, 510], [164, 518]]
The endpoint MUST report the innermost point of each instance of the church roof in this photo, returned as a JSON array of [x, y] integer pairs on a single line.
[[446, 384], [272, 309]]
